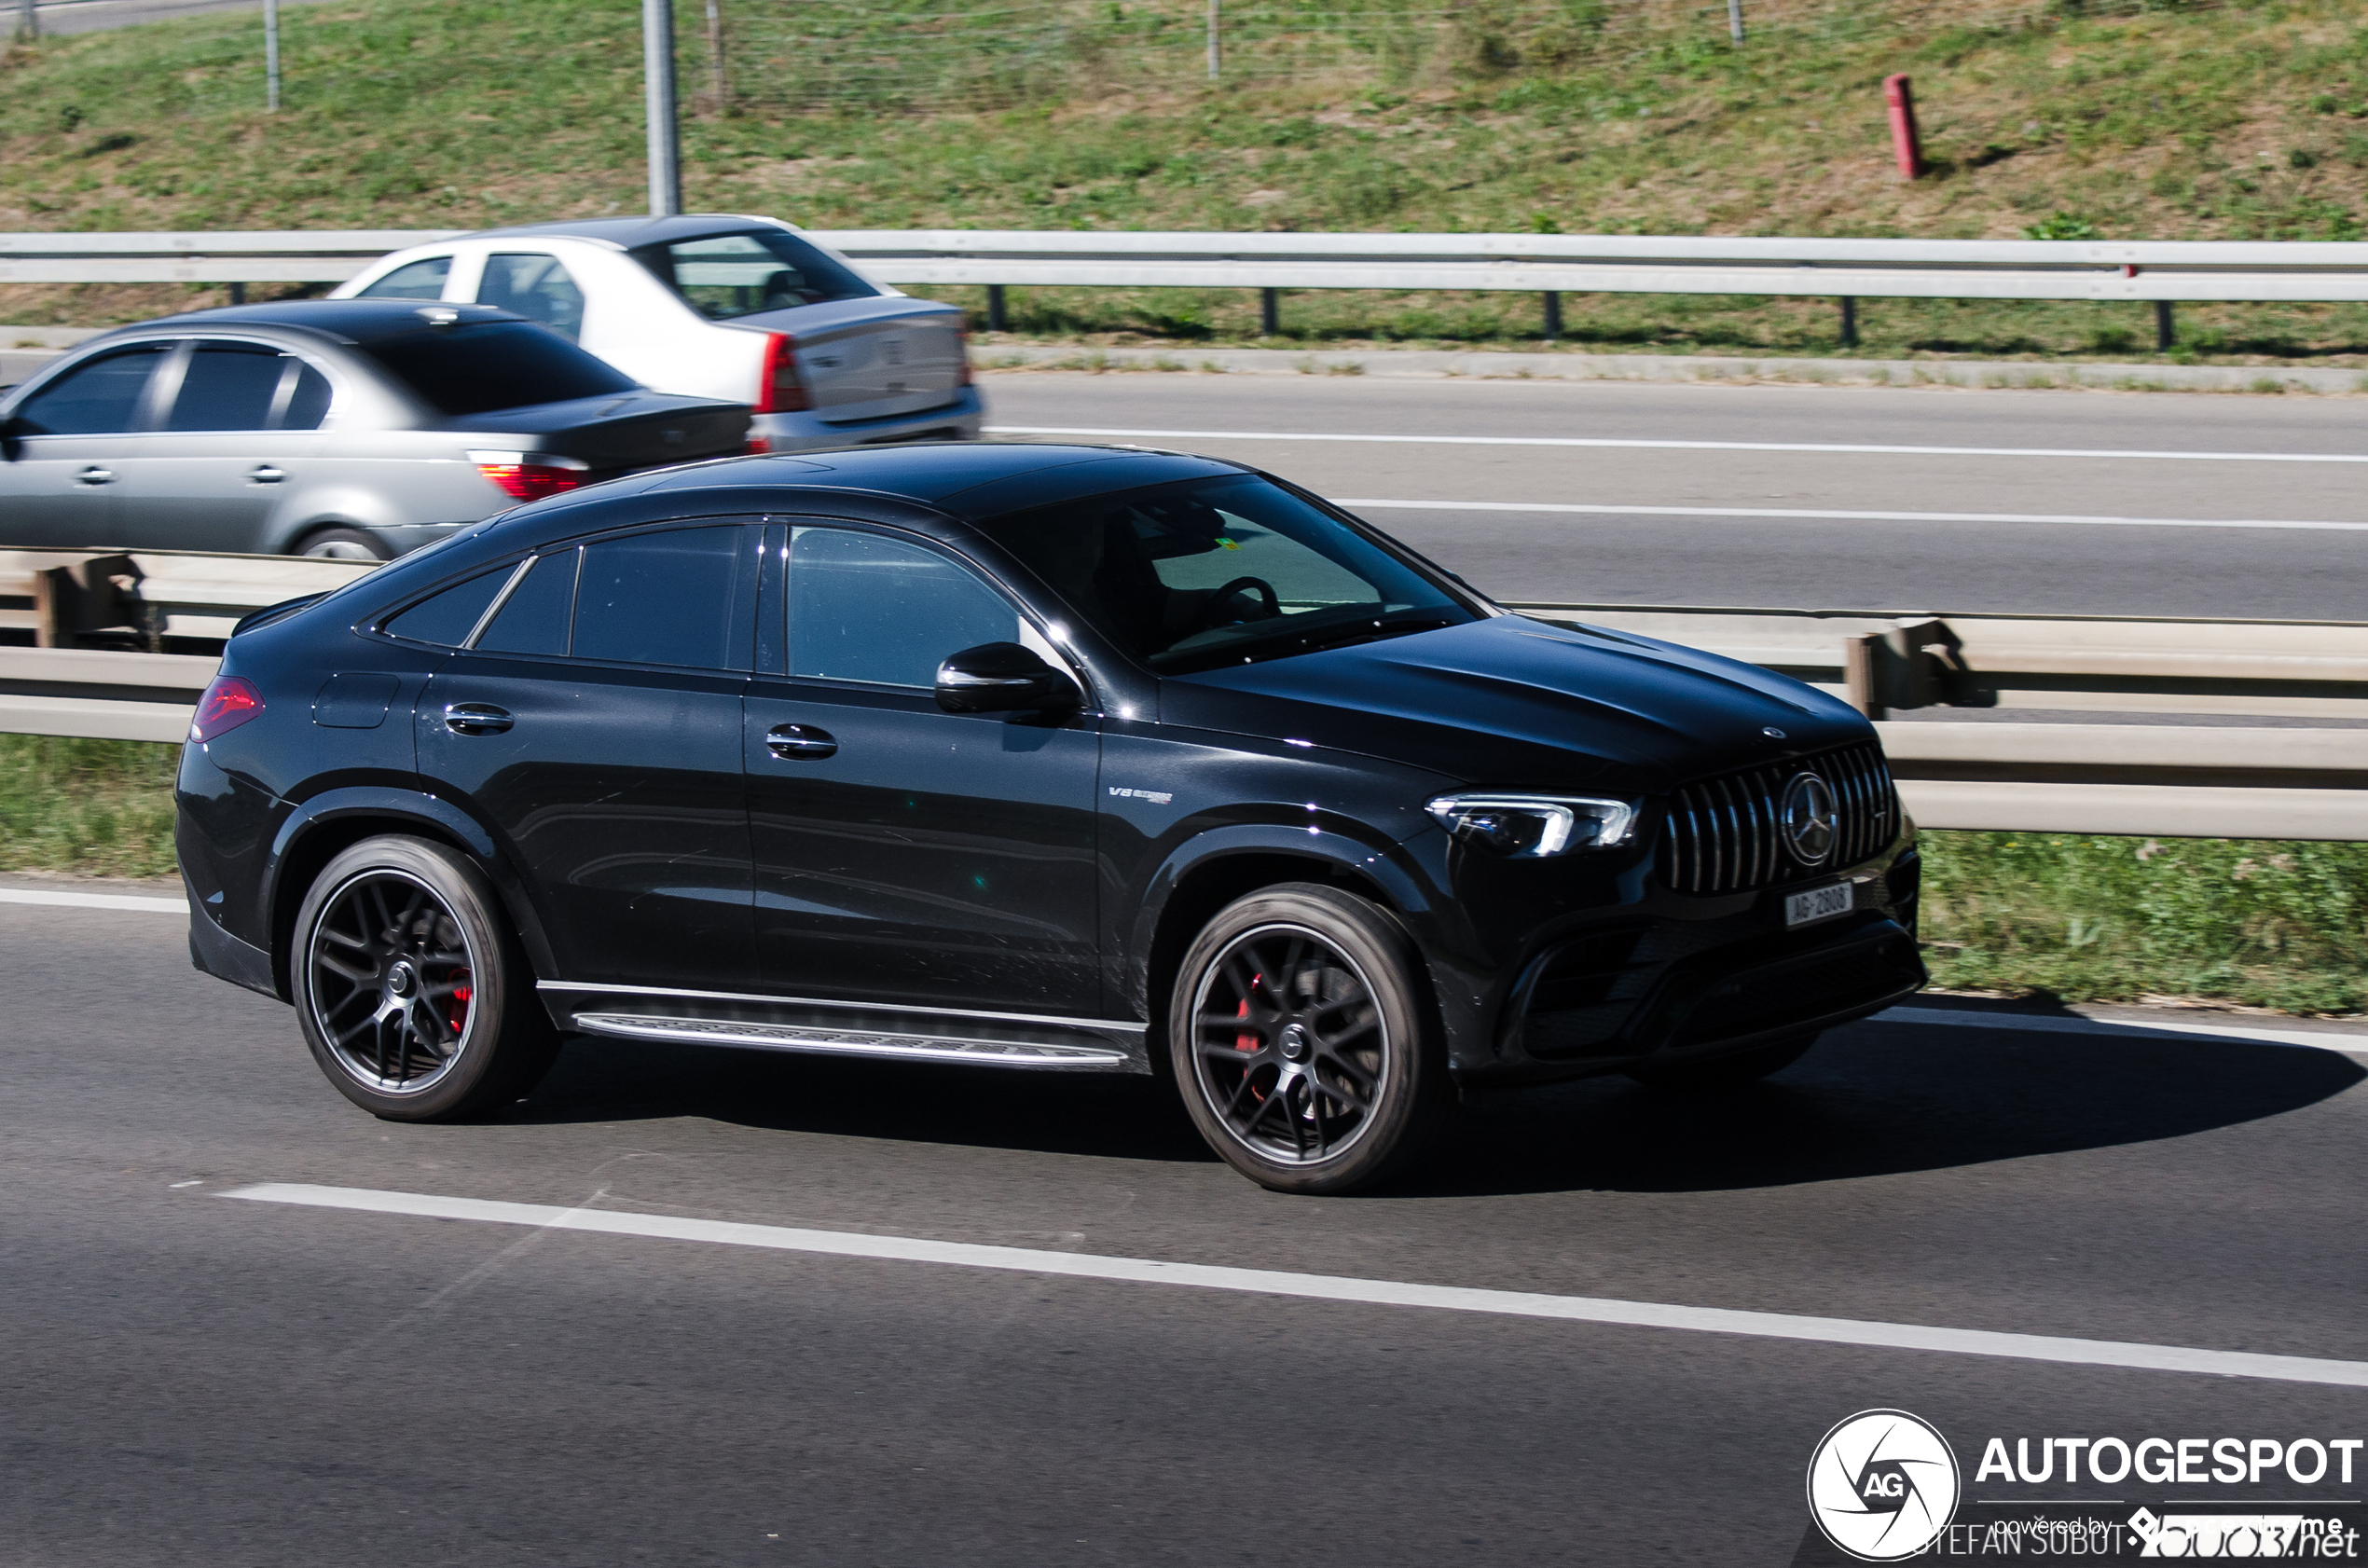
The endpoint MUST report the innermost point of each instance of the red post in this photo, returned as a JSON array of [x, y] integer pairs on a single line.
[[1905, 145]]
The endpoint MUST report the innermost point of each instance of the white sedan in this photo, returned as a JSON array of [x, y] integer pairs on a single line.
[[718, 306]]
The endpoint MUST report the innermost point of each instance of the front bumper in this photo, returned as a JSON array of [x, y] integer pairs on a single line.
[[1671, 979], [957, 421]]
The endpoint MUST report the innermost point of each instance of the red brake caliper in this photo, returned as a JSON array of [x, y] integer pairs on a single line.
[[461, 996], [1246, 1040]]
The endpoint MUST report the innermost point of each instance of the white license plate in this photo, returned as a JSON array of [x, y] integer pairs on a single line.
[[1819, 904]]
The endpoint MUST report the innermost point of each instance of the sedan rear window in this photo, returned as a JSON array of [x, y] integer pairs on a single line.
[[480, 369], [1225, 572], [727, 275]]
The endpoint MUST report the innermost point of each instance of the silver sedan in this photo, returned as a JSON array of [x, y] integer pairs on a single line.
[[357, 429]]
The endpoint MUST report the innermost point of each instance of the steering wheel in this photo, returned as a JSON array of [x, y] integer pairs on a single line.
[[1212, 608]]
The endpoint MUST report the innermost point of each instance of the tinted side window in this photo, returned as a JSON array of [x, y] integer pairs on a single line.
[[96, 398], [308, 402], [535, 619], [480, 369], [865, 608], [228, 386], [661, 598], [536, 287], [417, 279], [446, 618]]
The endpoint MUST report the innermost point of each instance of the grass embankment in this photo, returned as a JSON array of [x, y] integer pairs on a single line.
[[2236, 121], [94, 807], [2110, 919]]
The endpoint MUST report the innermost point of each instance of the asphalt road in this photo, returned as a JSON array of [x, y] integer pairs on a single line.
[[2019, 502], [195, 1379]]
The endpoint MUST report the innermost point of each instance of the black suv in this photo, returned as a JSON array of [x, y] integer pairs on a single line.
[[1061, 758]]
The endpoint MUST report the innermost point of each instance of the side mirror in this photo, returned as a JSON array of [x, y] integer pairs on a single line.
[[11, 437], [1003, 677]]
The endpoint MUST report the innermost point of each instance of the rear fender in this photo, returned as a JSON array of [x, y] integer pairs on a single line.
[[325, 824]]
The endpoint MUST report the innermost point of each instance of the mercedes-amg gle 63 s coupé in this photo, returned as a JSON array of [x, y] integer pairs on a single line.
[[1060, 759]]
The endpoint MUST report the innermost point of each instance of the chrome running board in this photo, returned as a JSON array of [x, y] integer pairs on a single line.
[[850, 1043]]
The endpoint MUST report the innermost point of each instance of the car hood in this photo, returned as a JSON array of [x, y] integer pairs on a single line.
[[1515, 702]]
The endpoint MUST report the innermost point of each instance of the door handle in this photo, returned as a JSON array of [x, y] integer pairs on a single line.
[[95, 476], [799, 743], [267, 474], [475, 718]]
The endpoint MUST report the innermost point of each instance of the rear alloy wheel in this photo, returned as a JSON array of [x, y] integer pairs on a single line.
[[342, 544], [1300, 1043], [1724, 1072], [410, 987]]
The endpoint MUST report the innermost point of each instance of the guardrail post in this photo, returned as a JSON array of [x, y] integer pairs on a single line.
[[2166, 327], [1860, 671], [29, 21], [1554, 314], [1212, 39], [1735, 21], [995, 308], [1906, 147], [657, 101], [1269, 322], [1850, 322]]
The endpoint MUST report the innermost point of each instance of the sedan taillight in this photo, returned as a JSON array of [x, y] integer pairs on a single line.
[[962, 349], [228, 703], [530, 475], [779, 391]]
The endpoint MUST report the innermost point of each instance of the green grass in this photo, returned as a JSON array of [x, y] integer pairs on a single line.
[[2240, 120], [2085, 918], [2113, 919], [96, 807]]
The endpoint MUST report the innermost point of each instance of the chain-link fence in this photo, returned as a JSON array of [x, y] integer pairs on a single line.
[[907, 56]]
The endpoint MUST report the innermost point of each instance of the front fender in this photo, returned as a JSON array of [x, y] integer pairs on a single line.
[[1333, 847]]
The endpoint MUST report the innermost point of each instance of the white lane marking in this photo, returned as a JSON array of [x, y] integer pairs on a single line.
[[96, 901], [1620, 443], [1329, 1287], [2354, 1044], [1798, 514]]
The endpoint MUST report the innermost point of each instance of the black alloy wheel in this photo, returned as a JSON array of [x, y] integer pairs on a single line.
[[1300, 1043], [409, 985], [1730, 1071]]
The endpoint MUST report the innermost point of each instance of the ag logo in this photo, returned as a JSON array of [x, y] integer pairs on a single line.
[[1883, 1485]]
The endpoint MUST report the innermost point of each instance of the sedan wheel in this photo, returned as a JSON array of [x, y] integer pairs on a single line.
[[409, 987], [342, 544], [1303, 1053]]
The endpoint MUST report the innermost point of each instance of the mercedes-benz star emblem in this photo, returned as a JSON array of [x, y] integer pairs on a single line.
[[1807, 816]]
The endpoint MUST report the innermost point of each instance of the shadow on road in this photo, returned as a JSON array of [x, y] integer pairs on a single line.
[[1874, 1100], [1871, 1100]]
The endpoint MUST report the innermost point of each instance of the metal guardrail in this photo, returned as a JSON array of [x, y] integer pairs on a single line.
[[2161, 270], [2214, 781]]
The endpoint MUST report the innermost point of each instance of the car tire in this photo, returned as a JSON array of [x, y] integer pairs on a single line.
[[1327, 1083], [343, 544], [411, 986], [1724, 1072]]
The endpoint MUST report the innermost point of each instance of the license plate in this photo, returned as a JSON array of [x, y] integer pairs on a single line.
[[1819, 904]]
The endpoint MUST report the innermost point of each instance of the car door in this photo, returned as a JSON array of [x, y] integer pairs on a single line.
[[907, 856], [234, 435], [595, 727], [72, 441]]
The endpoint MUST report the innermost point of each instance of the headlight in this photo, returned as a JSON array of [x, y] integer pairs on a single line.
[[1536, 825]]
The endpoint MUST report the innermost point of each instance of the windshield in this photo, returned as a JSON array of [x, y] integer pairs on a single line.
[[481, 369], [1224, 571], [727, 275]]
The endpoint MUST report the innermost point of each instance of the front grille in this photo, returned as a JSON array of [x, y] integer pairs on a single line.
[[1723, 835]]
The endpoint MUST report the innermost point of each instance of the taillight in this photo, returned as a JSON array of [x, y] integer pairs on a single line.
[[962, 349], [759, 445], [528, 475], [779, 391], [228, 703]]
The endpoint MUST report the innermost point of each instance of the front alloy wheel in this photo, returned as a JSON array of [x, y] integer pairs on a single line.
[[1299, 1042]]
